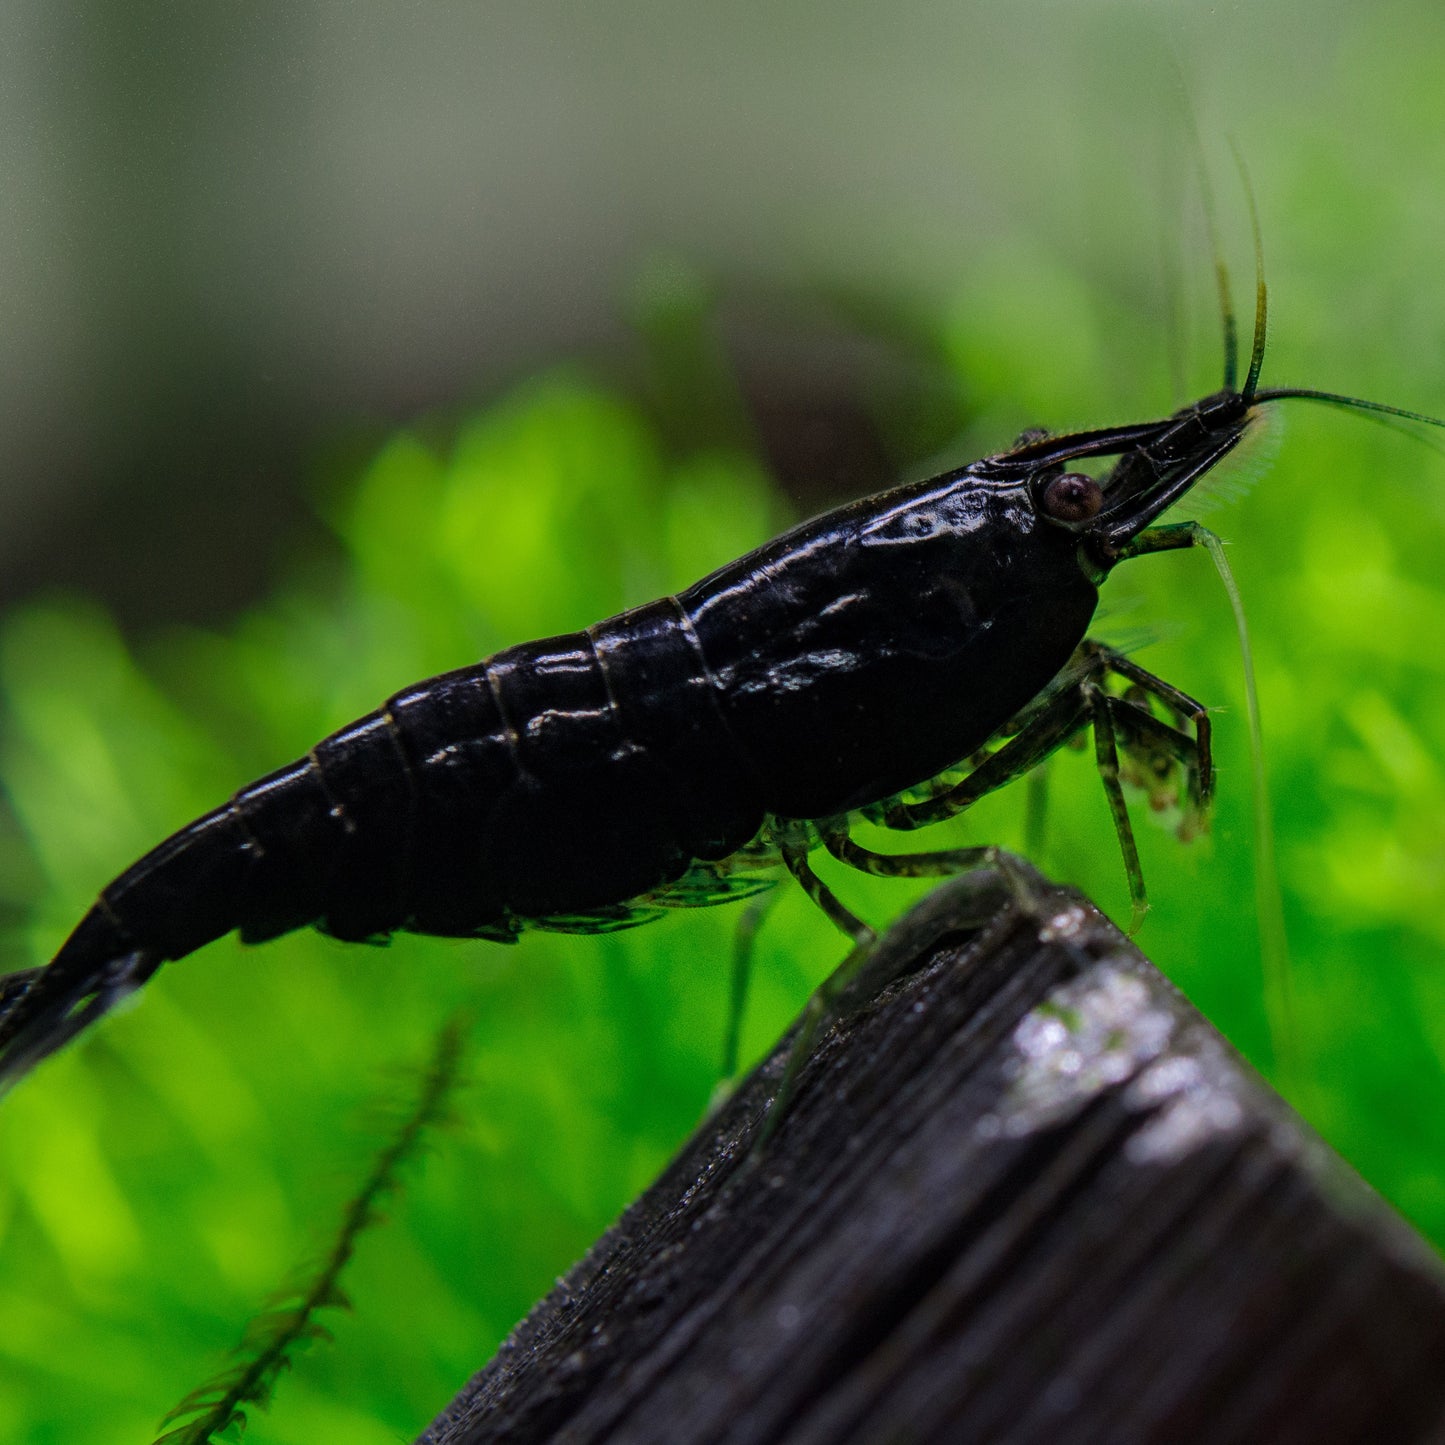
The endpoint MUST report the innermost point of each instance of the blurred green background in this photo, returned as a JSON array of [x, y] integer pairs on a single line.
[[345, 345]]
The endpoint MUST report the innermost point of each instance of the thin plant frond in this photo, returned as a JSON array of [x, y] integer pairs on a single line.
[[288, 1322]]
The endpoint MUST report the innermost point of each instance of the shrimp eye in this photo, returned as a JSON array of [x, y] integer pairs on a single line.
[[1072, 497]]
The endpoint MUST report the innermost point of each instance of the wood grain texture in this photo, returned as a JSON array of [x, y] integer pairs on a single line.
[[1023, 1193]]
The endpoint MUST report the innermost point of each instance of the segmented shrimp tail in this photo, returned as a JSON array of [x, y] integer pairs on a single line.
[[42, 1009]]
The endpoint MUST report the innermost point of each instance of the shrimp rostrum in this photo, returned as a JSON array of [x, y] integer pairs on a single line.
[[892, 660]]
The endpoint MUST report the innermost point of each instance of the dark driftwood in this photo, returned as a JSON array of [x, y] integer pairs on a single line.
[[1024, 1193]]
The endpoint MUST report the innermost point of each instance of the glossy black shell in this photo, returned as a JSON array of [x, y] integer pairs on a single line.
[[860, 653]]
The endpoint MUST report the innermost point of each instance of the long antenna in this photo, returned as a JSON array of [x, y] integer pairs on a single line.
[[1251, 392], [1261, 294], [1221, 273], [1352, 403]]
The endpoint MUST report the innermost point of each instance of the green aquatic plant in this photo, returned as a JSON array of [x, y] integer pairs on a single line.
[[289, 1322]]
